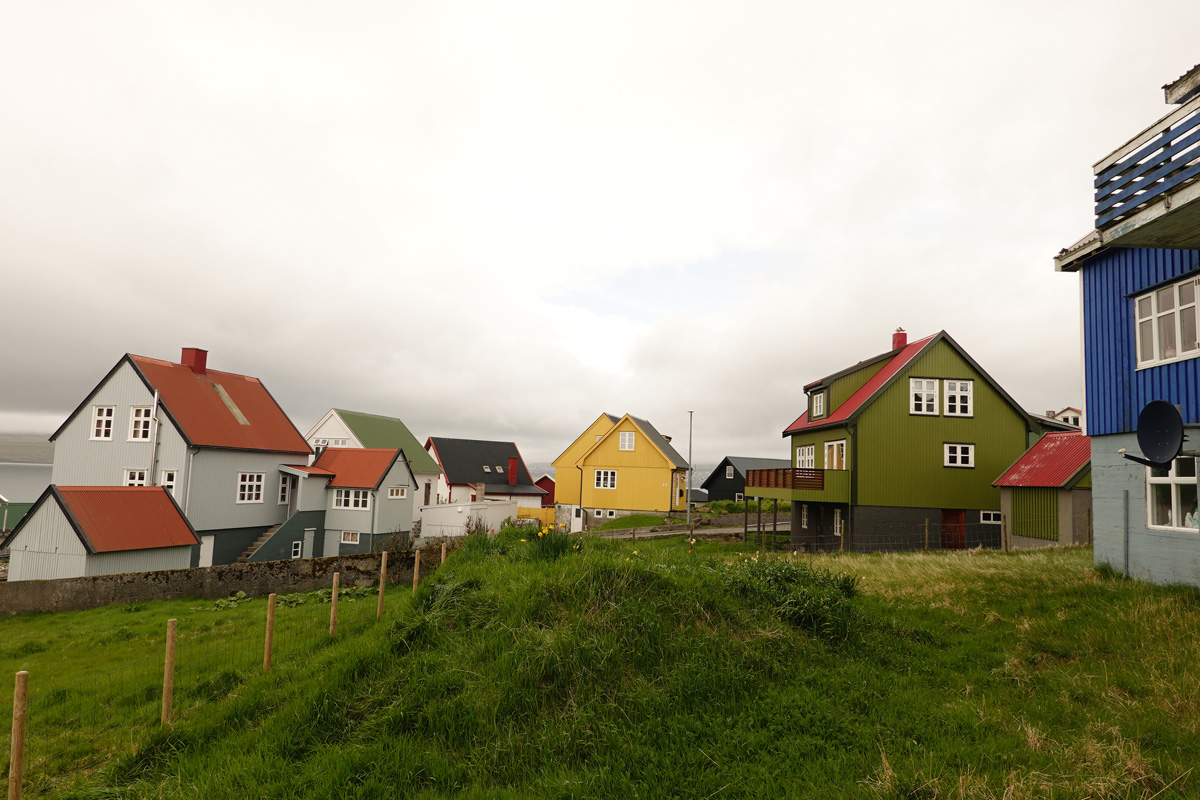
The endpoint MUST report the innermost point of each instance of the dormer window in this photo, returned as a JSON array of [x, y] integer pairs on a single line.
[[818, 405]]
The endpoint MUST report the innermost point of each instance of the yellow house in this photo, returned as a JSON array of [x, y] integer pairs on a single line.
[[616, 467]]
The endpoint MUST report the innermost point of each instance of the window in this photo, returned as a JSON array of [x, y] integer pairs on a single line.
[[729, 473], [958, 398], [102, 420], [818, 405], [1171, 495], [500, 470], [839, 524], [924, 396], [738, 497], [320, 442], [599, 436], [806, 456], [1166, 324], [250, 487], [835, 454], [599, 513], [352, 498], [606, 479], [626, 440], [990, 517], [804, 516], [297, 549], [139, 422], [397, 492], [167, 480], [611, 513], [285, 485], [958, 455], [349, 537], [135, 477], [486, 468]]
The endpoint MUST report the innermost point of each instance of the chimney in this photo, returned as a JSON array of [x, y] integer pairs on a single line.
[[195, 358], [512, 471], [899, 339]]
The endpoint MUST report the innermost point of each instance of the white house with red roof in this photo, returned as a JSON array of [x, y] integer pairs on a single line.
[[76, 531], [1046, 495], [217, 441]]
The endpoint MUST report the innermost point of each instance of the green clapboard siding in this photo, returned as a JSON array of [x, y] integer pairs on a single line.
[[842, 388], [900, 456], [1085, 482], [1035, 513]]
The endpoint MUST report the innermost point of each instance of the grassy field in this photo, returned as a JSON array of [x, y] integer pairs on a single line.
[[631, 521], [568, 667]]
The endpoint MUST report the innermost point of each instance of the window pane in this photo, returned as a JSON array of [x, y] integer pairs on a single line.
[[1144, 308], [1146, 341], [1166, 336], [1185, 467], [1160, 508], [1187, 505], [1187, 329], [1166, 299], [1187, 293]]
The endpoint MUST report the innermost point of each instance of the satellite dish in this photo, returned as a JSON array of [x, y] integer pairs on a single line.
[[1159, 435]]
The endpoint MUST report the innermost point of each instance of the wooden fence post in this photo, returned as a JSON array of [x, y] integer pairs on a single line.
[[333, 604], [927, 534], [443, 561], [382, 583], [169, 671], [416, 568], [16, 763], [1004, 531], [270, 643]]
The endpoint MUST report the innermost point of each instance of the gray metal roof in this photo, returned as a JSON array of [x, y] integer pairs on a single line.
[[660, 442], [463, 461]]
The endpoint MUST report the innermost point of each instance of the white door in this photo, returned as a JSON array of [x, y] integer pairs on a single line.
[[576, 519], [206, 550]]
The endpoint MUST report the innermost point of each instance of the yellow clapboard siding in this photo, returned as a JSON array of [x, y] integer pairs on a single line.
[[566, 475]]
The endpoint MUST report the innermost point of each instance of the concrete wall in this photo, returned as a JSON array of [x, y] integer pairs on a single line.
[[256, 580], [450, 520]]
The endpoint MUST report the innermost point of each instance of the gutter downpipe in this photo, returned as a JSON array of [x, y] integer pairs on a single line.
[[580, 506], [154, 443], [1125, 530], [187, 500]]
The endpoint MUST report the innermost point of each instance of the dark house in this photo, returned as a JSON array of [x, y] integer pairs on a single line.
[[728, 480]]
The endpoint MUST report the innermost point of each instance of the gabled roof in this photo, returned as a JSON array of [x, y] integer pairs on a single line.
[[373, 430], [355, 468], [743, 463], [109, 519], [1056, 461], [463, 460], [897, 359], [212, 408], [660, 442]]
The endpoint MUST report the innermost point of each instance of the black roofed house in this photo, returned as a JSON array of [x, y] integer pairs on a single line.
[[467, 463], [728, 480]]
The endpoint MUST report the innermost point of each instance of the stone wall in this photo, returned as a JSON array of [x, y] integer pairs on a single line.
[[255, 579]]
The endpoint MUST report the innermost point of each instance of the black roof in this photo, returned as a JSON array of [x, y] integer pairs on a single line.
[[463, 461], [743, 463]]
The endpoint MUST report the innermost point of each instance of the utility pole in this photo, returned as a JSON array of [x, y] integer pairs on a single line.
[[687, 493]]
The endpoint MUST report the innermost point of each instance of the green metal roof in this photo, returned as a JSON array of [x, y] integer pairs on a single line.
[[12, 513], [373, 430]]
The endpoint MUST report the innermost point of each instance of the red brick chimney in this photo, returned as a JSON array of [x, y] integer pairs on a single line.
[[512, 471], [195, 358], [899, 339]]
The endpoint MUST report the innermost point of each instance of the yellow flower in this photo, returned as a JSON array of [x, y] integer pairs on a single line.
[[540, 534], [635, 552], [522, 540]]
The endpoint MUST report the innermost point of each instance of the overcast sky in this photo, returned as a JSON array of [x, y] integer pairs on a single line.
[[497, 220]]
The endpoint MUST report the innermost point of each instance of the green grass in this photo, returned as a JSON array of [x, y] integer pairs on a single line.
[[631, 521], [575, 667]]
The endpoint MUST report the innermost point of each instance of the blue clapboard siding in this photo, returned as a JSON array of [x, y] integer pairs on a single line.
[[1116, 391]]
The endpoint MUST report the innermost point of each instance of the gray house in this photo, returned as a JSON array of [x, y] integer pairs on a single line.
[[215, 440], [75, 531]]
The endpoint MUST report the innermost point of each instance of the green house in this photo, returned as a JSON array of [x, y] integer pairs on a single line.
[[899, 452]]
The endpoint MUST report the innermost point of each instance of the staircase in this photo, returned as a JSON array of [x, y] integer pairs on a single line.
[[259, 542]]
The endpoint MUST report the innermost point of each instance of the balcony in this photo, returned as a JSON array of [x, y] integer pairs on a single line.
[[804, 485], [1147, 192]]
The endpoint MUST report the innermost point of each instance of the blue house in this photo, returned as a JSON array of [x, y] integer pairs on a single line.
[[1139, 270]]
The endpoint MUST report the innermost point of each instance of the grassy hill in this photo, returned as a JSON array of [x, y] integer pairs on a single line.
[[559, 668]]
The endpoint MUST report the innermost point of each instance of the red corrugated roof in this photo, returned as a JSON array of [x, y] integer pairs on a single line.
[[196, 404], [324, 473], [865, 392], [1052, 462], [356, 468], [113, 518]]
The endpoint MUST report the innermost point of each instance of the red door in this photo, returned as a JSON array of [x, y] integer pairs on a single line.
[[954, 530]]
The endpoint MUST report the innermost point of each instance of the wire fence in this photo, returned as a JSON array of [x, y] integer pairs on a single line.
[[75, 729]]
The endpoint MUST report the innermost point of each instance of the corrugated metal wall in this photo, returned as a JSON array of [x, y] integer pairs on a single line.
[[1035, 513], [149, 560], [1116, 392], [214, 488], [47, 547]]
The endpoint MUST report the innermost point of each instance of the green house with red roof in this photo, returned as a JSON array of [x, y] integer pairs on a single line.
[[899, 452]]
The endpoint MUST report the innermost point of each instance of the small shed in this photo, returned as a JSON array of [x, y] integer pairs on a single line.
[[1046, 496], [728, 480], [546, 484], [77, 531]]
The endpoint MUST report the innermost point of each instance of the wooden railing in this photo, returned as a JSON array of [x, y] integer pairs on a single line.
[[1161, 158], [542, 515], [793, 478]]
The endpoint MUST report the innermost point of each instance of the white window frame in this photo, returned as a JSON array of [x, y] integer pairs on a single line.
[[500, 469], [135, 477], [838, 448], [166, 479], [806, 456], [626, 440], [350, 537], [102, 423], [958, 398], [611, 513], [397, 492], [285, 486], [818, 405], [139, 423], [738, 497], [839, 524], [989, 517], [606, 479], [297, 549], [352, 499], [923, 397], [487, 469], [1180, 518], [959, 455], [729, 472], [804, 515], [250, 487], [599, 513], [1151, 321]]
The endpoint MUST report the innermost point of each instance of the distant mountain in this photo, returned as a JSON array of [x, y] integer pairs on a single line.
[[26, 448]]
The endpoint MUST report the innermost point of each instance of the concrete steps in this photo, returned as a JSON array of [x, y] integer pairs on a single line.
[[259, 542]]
